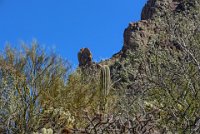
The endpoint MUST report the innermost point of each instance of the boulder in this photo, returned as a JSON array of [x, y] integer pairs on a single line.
[[84, 57]]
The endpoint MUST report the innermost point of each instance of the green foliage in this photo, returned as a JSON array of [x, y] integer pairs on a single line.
[[28, 78], [81, 87], [80, 95], [176, 90]]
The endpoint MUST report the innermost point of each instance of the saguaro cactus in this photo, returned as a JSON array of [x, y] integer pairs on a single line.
[[105, 86]]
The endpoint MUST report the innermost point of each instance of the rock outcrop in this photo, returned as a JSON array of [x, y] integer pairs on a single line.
[[84, 57], [164, 23], [162, 17], [156, 8]]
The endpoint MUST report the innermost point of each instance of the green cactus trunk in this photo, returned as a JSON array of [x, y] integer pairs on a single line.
[[105, 87]]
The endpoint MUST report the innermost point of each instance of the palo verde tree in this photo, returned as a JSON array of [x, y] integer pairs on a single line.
[[30, 79]]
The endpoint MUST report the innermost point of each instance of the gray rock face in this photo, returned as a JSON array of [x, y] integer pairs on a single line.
[[161, 17], [136, 34], [156, 8]]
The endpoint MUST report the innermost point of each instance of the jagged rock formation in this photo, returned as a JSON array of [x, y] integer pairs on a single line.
[[160, 17], [85, 57], [155, 8]]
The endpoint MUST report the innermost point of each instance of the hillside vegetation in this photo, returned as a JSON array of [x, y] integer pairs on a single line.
[[151, 86]]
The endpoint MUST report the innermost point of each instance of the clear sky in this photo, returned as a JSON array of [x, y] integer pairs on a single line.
[[68, 25]]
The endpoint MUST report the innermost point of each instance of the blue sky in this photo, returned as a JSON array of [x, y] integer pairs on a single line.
[[68, 25]]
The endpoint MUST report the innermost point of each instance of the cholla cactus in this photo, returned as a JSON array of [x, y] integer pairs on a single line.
[[57, 118], [105, 86], [44, 131]]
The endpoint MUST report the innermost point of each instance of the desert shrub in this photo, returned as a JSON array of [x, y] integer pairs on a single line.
[[82, 94], [28, 78], [56, 118], [115, 124], [176, 90]]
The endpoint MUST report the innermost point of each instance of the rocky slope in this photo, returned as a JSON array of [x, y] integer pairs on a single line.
[[159, 64], [167, 23]]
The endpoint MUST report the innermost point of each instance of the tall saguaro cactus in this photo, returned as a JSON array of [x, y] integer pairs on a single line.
[[105, 86]]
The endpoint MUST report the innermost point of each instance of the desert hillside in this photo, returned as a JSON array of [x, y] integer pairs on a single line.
[[151, 86]]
